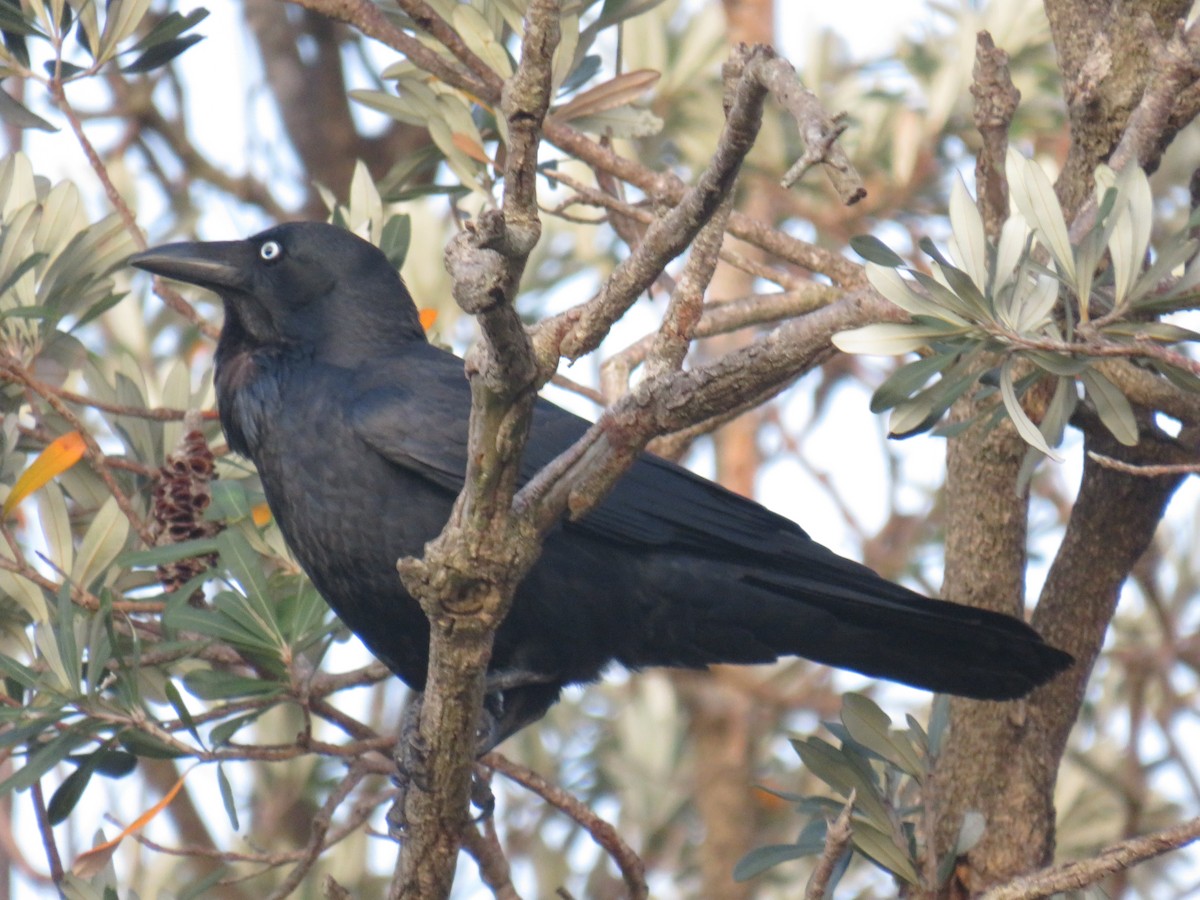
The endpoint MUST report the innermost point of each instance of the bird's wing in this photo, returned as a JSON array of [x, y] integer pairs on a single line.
[[415, 416], [414, 411]]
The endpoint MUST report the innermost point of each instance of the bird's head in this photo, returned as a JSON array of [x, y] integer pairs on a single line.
[[307, 285]]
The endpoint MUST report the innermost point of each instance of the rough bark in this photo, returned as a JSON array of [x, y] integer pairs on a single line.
[[1002, 759], [1103, 51]]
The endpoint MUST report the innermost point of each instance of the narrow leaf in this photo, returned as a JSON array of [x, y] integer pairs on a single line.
[[760, 859], [1025, 427], [91, 862], [227, 796], [105, 538], [1112, 406], [893, 338], [161, 54], [59, 455], [880, 847], [872, 249], [898, 290], [181, 709], [908, 380], [65, 798], [19, 116], [618, 91], [172, 25], [968, 238], [1034, 196]]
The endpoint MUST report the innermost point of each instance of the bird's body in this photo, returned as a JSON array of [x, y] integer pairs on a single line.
[[358, 428]]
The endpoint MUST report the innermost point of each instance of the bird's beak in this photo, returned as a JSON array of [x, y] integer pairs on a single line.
[[211, 264]]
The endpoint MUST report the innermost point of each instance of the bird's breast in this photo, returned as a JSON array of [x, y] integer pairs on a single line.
[[248, 396]]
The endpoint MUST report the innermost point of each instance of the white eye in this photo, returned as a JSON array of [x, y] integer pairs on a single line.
[[270, 251]]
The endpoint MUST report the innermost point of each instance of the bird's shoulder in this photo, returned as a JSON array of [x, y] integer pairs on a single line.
[[412, 408]]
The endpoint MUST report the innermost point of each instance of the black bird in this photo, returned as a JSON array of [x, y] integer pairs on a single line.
[[358, 427]]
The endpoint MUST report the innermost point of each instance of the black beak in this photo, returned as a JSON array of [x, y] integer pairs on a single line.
[[213, 265]]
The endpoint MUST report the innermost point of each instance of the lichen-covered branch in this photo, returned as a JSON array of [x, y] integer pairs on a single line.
[[466, 580]]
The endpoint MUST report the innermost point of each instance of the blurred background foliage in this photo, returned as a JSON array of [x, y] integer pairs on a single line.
[[150, 615]]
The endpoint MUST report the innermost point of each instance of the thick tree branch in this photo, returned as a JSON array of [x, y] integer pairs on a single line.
[[996, 100], [466, 580], [1082, 873]]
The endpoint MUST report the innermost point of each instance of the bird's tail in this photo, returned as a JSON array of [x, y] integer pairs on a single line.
[[842, 614]]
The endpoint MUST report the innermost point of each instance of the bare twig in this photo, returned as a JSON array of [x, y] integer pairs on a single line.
[[579, 331], [680, 400], [1114, 858], [46, 832], [837, 839], [484, 846], [1145, 471], [633, 870], [368, 18], [320, 830]]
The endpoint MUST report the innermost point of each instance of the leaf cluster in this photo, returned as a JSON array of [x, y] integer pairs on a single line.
[[1028, 317], [467, 135], [880, 770], [83, 37], [91, 648]]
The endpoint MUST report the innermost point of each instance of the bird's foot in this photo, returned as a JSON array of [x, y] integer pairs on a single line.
[[412, 758], [412, 766]]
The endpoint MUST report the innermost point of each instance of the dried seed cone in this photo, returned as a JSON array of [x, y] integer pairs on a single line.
[[182, 492]]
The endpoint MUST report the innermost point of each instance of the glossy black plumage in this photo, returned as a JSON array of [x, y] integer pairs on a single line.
[[358, 427]]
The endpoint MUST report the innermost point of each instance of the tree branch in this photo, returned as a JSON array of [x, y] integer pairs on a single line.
[[466, 580], [1081, 873]]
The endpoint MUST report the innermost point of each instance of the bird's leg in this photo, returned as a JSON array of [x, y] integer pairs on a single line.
[[499, 719], [412, 757]]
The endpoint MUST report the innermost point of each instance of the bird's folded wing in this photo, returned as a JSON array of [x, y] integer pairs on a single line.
[[420, 424]]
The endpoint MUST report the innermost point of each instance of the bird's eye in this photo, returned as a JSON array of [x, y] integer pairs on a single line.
[[270, 251]]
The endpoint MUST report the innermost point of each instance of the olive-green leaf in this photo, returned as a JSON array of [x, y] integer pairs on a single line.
[[161, 54], [146, 746], [760, 859], [64, 799], [908, 379], [13, 113], [838, 768], [172, 25], [227, 797], [1025, 427], [1112, 406], [872, 249], [879, 846], [871, 727], [210, 684]]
